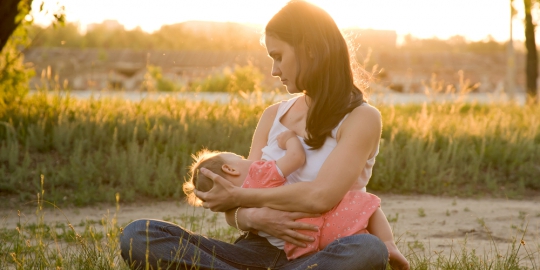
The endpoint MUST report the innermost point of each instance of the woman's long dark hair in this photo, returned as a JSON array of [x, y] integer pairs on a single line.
[[323, 66]]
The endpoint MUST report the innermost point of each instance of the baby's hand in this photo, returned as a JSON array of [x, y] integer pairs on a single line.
[[283, 137]]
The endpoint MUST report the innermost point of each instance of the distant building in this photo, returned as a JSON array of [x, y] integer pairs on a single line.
[[84, 69], [391, 67]]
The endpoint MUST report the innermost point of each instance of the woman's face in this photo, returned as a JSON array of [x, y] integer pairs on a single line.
[[284, 65]]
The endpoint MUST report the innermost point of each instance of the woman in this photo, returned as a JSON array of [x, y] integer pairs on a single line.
[[310, 56]]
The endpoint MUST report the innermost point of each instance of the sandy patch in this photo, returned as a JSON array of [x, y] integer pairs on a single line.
[[442, 223], [423, 223]]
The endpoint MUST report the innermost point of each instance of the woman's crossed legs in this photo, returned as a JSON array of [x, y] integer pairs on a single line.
[[168, 246]]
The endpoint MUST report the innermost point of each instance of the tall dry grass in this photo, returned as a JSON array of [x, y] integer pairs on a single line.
[[91, 149], [460, 149]]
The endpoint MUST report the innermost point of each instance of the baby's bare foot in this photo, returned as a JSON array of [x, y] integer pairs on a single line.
[[397, 260]]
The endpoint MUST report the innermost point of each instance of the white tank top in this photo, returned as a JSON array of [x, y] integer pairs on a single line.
[[314, 158]]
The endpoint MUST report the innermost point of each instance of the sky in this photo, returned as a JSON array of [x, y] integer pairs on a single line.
[[474, 19]]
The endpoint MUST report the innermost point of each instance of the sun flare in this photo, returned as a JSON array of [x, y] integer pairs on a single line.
[[422, 18]]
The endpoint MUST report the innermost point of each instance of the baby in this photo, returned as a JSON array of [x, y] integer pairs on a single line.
[[358, 212]]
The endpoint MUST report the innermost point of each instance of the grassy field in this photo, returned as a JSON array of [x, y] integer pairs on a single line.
[[459, 149], [89, 150], [82, 152]]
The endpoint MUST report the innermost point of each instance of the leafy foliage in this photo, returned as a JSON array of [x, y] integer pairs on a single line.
[[243, 79], [14, 75], [154, 81], [223, 36]]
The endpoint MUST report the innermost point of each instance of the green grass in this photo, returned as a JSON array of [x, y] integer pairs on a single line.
[[459, 149], [95, 245], [89, 150], [41, 246]]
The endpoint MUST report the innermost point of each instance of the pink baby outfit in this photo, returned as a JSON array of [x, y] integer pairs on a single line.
[[350, 216]]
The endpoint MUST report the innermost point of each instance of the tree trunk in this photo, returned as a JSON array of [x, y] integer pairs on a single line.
[[8, 13], [532, 55]]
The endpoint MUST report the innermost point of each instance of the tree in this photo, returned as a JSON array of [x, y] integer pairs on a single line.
[[13, 74], [12, 13], [14, 24], [532, 54]]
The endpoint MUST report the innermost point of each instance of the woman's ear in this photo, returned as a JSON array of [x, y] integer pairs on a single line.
[[305, 45], [309, 52], [226, 168]]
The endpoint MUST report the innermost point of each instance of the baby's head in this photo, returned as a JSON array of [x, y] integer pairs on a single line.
[[225, 164]]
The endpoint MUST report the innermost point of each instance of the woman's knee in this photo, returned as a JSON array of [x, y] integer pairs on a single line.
[[132, 230], [136, 235], [132, 236], [374, 244], [362, 249]]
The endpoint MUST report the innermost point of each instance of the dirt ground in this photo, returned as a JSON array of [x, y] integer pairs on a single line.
[[422, 223]]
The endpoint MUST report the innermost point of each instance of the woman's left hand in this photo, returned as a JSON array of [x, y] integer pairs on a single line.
[[222, 195]]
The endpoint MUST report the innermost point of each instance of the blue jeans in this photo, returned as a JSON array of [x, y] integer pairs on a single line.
[[169, 246]]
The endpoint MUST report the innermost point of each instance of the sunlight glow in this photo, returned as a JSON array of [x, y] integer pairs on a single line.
[[422, 18]]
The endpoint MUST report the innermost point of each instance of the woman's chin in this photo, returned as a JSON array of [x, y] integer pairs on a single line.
[[292, 90]]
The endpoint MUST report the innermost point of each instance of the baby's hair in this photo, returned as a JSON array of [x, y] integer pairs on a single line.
[[198, 181]]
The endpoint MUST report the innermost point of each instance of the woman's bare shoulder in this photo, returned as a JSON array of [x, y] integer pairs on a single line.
[[272, 109], [260, 137], [364, 113], [270, 112], [366, 109], [363, 118]]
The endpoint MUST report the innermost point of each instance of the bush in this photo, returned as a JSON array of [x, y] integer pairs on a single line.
[[242, 79], [14, 75], [154, 80]]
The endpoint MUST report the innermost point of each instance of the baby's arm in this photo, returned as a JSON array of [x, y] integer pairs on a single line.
[[294, 157]]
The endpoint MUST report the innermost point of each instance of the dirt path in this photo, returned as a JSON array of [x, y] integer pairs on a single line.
[[424, 223]]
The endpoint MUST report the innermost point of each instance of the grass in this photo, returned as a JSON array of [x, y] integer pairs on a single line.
[[95, 245], [421, 212], [459, 149], [460, 257], [41, 246], [99, 150], [91, 149]]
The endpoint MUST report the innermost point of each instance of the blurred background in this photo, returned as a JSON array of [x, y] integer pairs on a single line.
[[104, 102], [214, 46], [94, 94]]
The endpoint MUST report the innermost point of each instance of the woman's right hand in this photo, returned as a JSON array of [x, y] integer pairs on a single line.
[[281, 224]]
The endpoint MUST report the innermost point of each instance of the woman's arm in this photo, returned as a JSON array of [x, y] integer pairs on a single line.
[[280, 224], [357, 141], [260, 137], [277, 223]]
